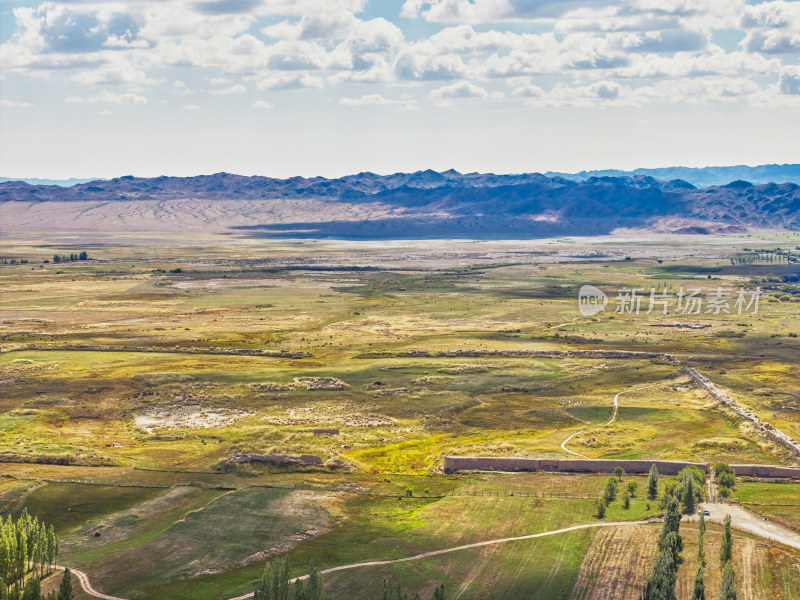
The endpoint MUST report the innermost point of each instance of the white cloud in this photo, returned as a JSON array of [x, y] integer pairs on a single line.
[[8, 103], [291, 81], [429, 68], [312, 44], [778, 14], [527, 90], [179, 87], [790, 81], [190, 107], [493, 11], [262, 105], [406, 102], [462, 90], [120, 73], [106, 97], [365, 100], [234, 89]]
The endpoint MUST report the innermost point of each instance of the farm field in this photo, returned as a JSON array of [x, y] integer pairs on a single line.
[[134, 387]]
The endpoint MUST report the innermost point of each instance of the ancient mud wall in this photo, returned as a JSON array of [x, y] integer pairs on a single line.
[[578, 465], [453, 464], [776, 435]]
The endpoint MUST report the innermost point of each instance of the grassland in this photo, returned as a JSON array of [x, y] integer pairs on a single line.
[[246, 328]]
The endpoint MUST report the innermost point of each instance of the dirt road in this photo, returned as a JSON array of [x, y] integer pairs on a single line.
[[83, 578], [744, 520], [607, 423]]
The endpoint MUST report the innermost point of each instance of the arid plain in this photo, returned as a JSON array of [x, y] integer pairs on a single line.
[[136, 385]]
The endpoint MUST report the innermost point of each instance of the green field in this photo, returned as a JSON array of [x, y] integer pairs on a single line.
[[133, 368]]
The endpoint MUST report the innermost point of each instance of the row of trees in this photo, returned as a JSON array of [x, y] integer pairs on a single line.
[[33, 590], [661, 584], [727, 582], [275, 584], [73, 257], [26, 547]]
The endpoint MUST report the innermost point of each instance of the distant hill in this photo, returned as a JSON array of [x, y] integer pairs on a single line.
[[703, 176], [401, 205], [35, 181]]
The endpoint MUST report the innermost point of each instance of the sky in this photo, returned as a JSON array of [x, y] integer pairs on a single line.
[[103, 88]]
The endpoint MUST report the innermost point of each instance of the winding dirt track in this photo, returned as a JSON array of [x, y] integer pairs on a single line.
[[607, 423], [83, 578]]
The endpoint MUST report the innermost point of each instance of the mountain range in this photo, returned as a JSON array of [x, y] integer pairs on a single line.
[[402, 205], [701, 176]]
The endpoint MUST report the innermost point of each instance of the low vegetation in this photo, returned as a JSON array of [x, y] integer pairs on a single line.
[[131, 379]]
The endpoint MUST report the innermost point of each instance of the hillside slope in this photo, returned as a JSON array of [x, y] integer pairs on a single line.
[[425, 203]]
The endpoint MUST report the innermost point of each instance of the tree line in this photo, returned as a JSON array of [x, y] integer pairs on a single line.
[[73, 257], [275, 584], [28, 551], [684, 493]]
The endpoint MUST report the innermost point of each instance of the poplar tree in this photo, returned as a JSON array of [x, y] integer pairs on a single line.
[[33, 589], [726, 551], [65, 591], [315, 587], [688, 495], [699, 590], [701, 541], [727, 583], [652, 483]]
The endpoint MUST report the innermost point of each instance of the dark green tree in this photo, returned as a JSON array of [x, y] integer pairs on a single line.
[[724, 475], [652, 483], [661, 584], [727, 583], [672, 543], [439, 593], [699, 589], [688, 496], [300, 590], [726, 551], [600, 508], [386, 593], [701, 541], [672, 518], [65, 590], [315, 589], [33, 589]]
